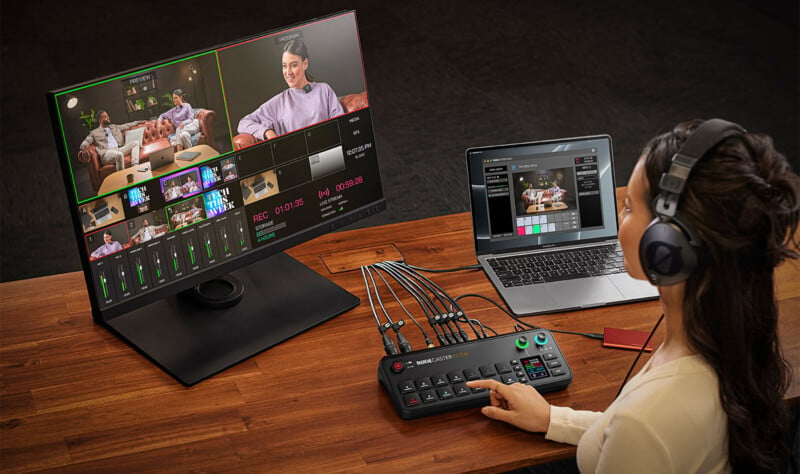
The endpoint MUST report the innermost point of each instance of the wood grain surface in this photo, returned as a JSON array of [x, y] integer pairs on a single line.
[[75, 398]]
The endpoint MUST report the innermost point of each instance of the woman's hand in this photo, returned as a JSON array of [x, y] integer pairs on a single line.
[[518, 404]]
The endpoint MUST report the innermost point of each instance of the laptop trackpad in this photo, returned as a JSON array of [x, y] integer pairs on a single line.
[[632, 288], [585, 292]]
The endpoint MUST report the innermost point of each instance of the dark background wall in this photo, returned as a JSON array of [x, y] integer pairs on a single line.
[[442, 76]]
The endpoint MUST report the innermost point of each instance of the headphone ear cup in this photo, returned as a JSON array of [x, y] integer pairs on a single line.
[[666, 253]]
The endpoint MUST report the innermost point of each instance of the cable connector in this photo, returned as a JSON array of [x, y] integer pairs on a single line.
[[388, 345], [405, 346]]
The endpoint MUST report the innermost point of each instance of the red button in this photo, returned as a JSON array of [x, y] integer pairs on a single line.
[[398, 367]]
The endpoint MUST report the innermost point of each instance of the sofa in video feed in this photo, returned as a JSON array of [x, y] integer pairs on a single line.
[[146, 227], [118, 124], [544, 190], [290, 80], [186, 213], [180, 185], [107, 241]]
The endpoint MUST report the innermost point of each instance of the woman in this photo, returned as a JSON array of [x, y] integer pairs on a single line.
[[304, 103], [710, 399], [182, 117]]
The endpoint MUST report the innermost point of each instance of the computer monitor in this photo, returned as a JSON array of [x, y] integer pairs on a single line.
[[185, 260]]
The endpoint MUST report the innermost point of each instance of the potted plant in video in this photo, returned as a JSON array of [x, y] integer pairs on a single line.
[[88, 120]]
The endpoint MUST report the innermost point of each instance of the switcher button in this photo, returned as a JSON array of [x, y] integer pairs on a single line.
[[461, 390], [412, 399], [424, 383], [548, 356], [439, 380], [502, 367], [471, 374], [487, 370], [428, 396], [455, 377], [444, 393], [406, 386]]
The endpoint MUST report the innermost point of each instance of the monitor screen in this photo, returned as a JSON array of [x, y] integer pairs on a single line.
[[184, 170]]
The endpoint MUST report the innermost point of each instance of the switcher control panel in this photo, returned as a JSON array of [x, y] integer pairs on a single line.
[[431, 381]]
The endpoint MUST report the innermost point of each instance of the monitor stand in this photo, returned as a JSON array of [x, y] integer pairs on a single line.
[[281, 298]]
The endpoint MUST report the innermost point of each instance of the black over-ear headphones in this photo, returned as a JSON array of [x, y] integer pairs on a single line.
[[669, 248]]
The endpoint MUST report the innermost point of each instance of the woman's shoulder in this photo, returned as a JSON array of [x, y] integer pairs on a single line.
[[688, 382]]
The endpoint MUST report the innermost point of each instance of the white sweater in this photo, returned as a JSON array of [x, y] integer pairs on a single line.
[[667, 419]]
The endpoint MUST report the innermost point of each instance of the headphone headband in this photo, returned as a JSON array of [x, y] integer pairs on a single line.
[[708, 134]]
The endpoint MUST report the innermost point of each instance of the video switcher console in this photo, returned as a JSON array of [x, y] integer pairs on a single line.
[[431, 381]]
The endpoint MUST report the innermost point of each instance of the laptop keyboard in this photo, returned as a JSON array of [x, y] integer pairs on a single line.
[[558, 265]]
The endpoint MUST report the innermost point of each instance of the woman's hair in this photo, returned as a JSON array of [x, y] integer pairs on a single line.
[[298, 48], [741, 200], [178, 92]]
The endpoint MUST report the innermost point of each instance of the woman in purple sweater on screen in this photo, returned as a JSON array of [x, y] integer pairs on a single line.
[[304, 103], [182, 117]]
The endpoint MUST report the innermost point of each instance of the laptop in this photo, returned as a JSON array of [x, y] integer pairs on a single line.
[[161, 157], [260, 187], [544, 218]]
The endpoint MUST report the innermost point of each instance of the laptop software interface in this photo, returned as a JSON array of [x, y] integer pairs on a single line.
[[544, 213]]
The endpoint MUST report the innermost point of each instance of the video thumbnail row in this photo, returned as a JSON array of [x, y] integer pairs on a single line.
[[167, 256]]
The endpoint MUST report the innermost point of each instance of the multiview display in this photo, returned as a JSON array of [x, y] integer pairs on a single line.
[[180, 167]]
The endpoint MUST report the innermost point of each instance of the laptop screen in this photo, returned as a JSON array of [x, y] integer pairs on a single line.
[[542, 194]]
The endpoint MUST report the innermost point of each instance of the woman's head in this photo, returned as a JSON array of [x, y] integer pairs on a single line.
[[294, 63], [741, 199], [741, 203], [177, 97]]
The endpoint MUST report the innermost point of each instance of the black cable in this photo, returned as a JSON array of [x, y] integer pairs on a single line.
[[428, 307], [402, 341], [625, 380], [426, 282], [457, 332], [591, 335], [440, 318], [476, 266], [428, 340], [388, 345]]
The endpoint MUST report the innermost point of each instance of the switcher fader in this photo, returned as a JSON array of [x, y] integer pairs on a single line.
[[432, 381]]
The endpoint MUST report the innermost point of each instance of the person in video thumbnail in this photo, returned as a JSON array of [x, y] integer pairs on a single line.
[[174, 191], [692, 407], [555, 192], [109, 141], [529, 195], [189, 186], [182, 117], [304, 103], [109, 246], [146, 232]]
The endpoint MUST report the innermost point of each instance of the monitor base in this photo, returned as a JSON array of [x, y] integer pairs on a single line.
[[282, 298], [220, 292]]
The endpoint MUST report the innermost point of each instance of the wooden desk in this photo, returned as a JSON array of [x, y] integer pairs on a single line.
[[119, 179], [76, 398]]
